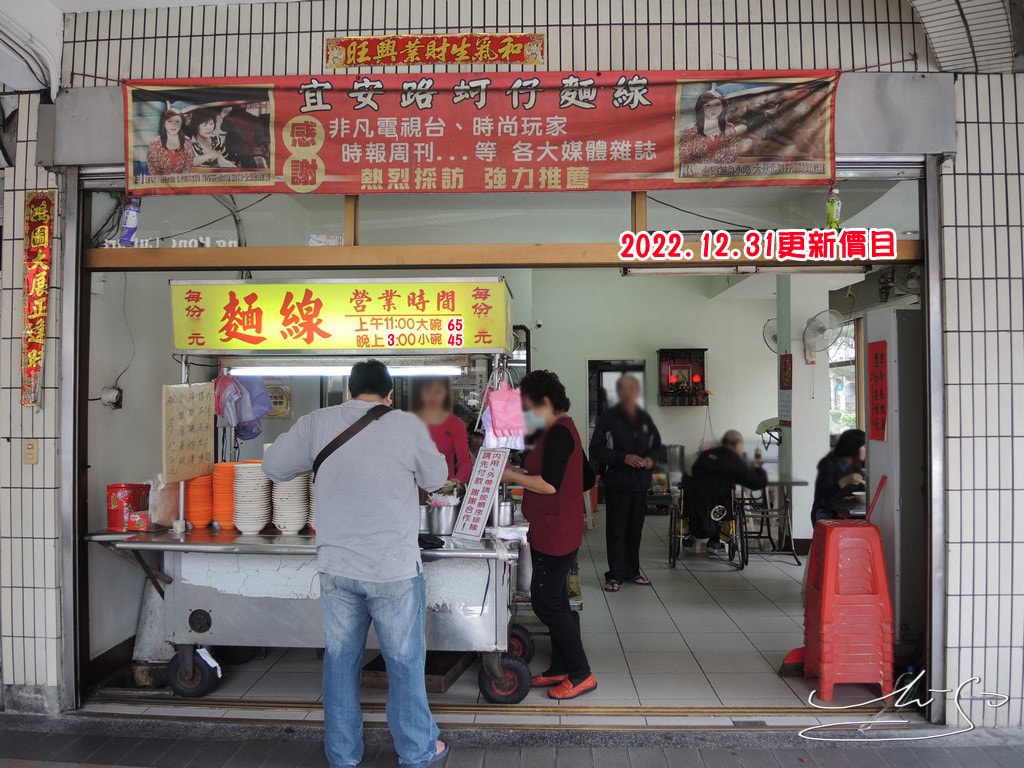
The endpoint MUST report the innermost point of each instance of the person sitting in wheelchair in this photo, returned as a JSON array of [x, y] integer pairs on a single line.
[[708, 496]]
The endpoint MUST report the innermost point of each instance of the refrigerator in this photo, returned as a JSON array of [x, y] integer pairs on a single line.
[[896, 449]]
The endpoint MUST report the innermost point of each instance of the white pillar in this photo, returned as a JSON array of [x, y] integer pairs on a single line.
[[799, 298]]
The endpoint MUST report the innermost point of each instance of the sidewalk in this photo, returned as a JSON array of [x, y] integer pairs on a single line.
[[37, 742]]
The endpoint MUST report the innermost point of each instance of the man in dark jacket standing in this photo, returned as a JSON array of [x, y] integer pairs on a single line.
[[625, 445], [719, 470]]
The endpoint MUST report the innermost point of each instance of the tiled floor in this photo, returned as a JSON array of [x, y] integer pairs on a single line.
[[704, 636]]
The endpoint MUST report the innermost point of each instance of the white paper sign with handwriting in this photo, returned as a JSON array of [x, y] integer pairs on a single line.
[[187, 426]]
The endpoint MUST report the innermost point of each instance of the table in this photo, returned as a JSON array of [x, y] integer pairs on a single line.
[[781, 510]]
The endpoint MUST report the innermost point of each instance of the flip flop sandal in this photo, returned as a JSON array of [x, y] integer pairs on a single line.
[[643, 581], [438, 760], [612, 586]]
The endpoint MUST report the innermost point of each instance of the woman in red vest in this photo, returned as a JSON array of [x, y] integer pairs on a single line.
[[555, 475]]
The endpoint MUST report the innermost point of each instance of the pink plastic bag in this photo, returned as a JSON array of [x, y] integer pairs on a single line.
[[506, 411]]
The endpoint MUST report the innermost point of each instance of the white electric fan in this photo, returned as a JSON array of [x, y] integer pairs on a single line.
[[821, 332]]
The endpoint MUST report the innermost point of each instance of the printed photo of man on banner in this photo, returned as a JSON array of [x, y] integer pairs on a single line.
[[197, 137], [761, 131]]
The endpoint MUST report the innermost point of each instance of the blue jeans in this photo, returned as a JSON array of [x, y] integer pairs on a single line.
[[398, 611]]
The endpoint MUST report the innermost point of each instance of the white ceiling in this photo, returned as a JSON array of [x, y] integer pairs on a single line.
[[73, 6]]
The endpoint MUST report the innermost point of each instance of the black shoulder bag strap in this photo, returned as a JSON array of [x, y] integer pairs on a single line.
[[358, 426]]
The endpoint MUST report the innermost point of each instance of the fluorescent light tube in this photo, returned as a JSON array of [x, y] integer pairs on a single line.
[[340, 370]]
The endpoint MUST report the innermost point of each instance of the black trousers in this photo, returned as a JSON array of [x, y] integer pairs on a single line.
[[624, 527], [549, 593]]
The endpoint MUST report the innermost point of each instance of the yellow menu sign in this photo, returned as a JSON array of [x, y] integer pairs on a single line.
[[370, 316]]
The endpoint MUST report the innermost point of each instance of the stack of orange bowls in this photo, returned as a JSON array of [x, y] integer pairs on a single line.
[[224, 495], [199, 501]]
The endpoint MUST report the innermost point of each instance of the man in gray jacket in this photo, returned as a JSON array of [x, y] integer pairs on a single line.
[[369, 559]]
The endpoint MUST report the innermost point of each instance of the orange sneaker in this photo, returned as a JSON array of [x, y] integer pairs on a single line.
[[540, 681], [566, 690]]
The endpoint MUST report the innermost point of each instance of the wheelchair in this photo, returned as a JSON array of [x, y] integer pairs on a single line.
[[733, 533]]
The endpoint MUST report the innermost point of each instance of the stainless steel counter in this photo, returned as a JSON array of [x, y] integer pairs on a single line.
[[210, 540]]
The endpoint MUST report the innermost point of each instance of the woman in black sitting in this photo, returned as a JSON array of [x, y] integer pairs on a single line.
[[840, 473]]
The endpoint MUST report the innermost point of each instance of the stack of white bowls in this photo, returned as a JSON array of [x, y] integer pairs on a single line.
[[291, 504], [252, 498], [312, 503]]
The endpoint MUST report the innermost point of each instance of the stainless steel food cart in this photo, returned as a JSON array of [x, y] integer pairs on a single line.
[[224, 588]]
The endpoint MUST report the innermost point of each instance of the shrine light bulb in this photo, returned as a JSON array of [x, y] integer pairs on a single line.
[[673, 379], [696, 378]]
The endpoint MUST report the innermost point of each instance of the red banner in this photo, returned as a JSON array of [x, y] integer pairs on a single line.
[[36, 290], [878, 390], [480, 132], [416, 50]]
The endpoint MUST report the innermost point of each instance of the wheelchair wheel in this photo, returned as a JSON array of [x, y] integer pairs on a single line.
[[738, 552], [675, 535], [744, 544]]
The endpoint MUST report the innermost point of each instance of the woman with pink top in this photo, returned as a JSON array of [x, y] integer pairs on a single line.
[[432, 402]]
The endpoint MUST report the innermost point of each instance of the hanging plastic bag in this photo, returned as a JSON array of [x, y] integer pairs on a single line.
[[506, 408], [501, 415], [491, 440]]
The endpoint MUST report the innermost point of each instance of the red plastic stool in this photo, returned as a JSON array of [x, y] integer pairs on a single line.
[[848, 631]]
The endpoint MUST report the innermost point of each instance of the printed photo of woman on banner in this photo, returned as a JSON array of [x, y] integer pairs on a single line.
[[764, 131], [206, 136]]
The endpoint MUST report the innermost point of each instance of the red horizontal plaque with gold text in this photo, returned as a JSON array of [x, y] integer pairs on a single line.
[[416, 50]]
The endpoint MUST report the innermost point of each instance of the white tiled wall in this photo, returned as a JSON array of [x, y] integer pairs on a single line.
[[982, 240], [30, 594], [983, 284], [237, 41]]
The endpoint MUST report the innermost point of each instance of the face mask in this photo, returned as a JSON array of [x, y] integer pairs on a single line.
[[533, 421]]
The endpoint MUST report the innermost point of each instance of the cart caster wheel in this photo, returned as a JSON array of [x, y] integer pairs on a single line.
[[510, 689], [520, 643], [204, 678]]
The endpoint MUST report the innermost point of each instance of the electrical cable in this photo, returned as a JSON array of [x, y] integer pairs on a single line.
[[15, 47], [124, 314], [228, 201], [177, 359], [110, 224], [699, 215], [221, 218]]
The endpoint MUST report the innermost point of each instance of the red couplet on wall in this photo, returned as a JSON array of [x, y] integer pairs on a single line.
[[878, 390]]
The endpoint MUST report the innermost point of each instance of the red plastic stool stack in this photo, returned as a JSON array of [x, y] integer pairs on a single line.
[[848, 631]]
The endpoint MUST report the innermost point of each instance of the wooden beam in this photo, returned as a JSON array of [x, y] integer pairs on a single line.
[[638, 211], [509, 255], [350, 221]]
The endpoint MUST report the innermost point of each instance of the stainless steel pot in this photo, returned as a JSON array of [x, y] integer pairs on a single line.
[[442, 520], [505, 514], [524, 570], [424, 518], [673, 456]]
